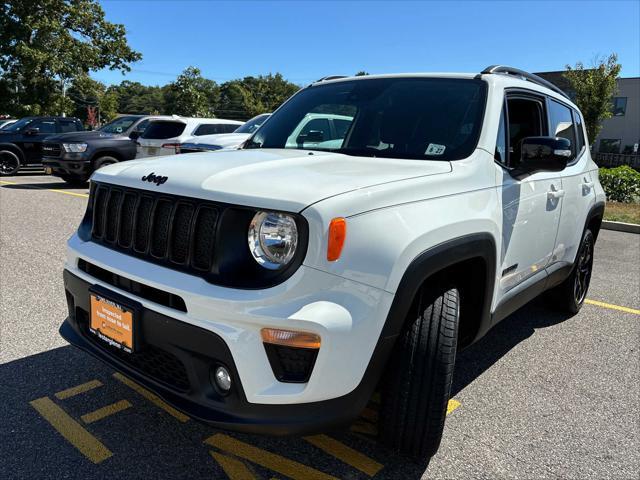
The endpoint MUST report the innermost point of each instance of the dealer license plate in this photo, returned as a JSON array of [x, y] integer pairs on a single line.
[[112, 323]]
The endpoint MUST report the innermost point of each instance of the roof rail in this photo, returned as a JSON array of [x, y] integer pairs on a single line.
[[330, 77], [505, 70]]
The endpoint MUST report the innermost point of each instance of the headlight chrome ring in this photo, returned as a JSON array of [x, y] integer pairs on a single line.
[[273, 239]]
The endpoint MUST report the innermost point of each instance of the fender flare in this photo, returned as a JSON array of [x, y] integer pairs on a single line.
[[434, 260]]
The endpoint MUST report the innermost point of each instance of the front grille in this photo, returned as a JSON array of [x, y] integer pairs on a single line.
[[175, 231], [51, 149], [161, 365]]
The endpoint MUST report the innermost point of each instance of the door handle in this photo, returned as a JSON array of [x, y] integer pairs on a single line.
[[587, 185], [555, 194]]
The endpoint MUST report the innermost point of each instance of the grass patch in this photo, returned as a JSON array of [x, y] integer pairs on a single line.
[[622, 212]]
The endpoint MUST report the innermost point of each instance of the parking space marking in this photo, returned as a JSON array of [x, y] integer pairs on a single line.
[[452, 405], [75, 194], [235, 469], [345, 453], [272, 461], [105, 411], [612, 306], [152, 397], [369, 414], [366, 428], [78, 389], [72, 431]]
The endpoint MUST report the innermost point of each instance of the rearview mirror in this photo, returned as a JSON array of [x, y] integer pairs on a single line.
[[32, 131], [548, 154]]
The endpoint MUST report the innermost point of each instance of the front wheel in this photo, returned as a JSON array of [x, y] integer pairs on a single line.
[[569, 296], [74, 180], [417, 383], [9, 162]]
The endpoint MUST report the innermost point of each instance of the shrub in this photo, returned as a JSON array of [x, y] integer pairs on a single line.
[[621, 184]]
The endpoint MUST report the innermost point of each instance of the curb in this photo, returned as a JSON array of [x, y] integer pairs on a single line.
[[621, 226]]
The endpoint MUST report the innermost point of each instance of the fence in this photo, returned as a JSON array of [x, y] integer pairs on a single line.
[[617, 159]]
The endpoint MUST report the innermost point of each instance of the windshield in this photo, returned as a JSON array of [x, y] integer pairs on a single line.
[[19, 125], [252, 125], [119, 125], [409, 118]]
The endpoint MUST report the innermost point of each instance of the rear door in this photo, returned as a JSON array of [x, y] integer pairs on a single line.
[[577, 183], [32, 142], [531, 204]]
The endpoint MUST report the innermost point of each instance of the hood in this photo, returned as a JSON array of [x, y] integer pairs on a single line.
[[220, 139], [288, 180], [81, 136]]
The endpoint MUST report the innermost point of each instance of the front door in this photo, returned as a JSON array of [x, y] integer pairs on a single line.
[[32, 142], [531, 205]]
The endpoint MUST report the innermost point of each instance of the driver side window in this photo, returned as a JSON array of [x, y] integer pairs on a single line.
[[525, 120]]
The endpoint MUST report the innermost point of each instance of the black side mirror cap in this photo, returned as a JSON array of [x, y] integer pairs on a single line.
[[548, 154]]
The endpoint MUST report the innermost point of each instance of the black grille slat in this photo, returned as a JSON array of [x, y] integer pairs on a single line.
[[204, 237], [125, 236], [160, 228], [176, 231], [180, 233], [112, 214], [142, 223]]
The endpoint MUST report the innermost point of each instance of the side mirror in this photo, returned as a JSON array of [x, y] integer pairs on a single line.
[[134, 135], [547, 154], [32, 131]]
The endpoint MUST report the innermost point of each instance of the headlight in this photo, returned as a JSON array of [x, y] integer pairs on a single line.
[[74, 147], [273, 238]]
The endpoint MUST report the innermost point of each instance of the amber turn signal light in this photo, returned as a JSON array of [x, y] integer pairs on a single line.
[[337, 234], [290, 338]]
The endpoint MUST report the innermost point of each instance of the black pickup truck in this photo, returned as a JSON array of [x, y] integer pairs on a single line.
[[74, 156], [21, 142]]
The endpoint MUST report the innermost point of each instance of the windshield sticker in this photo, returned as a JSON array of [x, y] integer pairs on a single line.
[[435, 149]]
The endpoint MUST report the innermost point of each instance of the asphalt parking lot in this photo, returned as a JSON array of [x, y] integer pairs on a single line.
[[542, 396]]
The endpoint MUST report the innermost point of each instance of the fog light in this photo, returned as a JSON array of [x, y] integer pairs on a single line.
[[223, 379]]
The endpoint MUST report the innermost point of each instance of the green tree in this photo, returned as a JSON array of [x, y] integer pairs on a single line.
[[594, 89], [192, 95], [362, 73], [46, 44], [133, 97], [84, 92]]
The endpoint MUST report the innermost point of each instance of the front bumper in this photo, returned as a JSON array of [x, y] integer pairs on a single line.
[[68, 163], [222, 325]]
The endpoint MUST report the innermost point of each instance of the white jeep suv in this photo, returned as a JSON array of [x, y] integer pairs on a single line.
[[273, 289]]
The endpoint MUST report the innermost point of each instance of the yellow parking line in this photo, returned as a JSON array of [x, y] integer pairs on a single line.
[[345, 453], [612, 306], [105, 411], [85, 387], [366, 428], [152, 397], [452, 405], [281, 465], [235, 469], [369, 414], [75, 194], [75, 433]]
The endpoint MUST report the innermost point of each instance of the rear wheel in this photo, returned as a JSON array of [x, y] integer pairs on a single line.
[[9, 162], [569, 296], [417, 383]]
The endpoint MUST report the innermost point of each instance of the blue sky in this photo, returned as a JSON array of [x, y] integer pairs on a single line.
[[307, 40]]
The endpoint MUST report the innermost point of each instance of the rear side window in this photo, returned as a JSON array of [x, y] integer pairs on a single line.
[[581, 140], [161, 130], [215, 128], [562, 123], [68, 126]]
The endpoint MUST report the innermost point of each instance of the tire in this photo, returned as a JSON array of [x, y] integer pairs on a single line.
[[569, 296], [103, 162], [75, 180], [417, 383], [9, 163]]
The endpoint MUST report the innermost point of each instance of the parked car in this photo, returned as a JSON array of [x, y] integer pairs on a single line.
[[273, 289], [163, 136], [21, 142], [75, 156], [223, 141], [5, 122]]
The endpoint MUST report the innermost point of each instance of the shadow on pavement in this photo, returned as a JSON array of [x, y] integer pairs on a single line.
[[44, 186]]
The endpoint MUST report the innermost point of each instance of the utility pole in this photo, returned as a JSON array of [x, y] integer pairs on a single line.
[[64, 95]]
